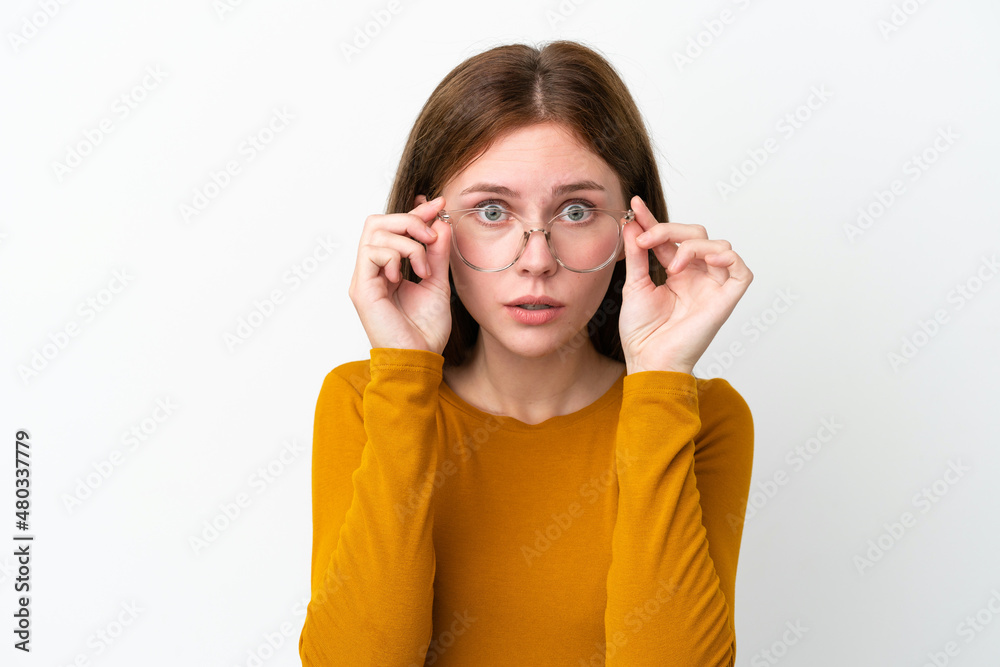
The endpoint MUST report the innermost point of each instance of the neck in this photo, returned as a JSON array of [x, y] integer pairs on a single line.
[[533, 389]]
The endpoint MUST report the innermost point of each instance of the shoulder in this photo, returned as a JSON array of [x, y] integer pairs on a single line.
[[414, 369], [351, 374], [719, 397], [725, 415], [338, 426], [343, 387]]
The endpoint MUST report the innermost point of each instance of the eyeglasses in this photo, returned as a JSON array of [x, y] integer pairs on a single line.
[[581, 239]]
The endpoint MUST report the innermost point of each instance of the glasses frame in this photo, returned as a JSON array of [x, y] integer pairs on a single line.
[[447, 216]]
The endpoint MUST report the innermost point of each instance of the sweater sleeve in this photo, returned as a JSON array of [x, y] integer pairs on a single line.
[[675, 547], [373, 561]]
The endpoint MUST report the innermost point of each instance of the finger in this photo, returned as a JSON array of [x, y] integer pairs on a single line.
[[656, 239], [427, 209], [692, 249], [400, 224], [671, 231], [427, 212], [643, 215], [636, 258], [376, 259], [663, 251], [438, 253], [664, 238], [415, 224], [719, 274], [406, 247], [740, 276]]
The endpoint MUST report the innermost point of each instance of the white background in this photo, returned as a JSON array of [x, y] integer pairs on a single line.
[[162, 335]]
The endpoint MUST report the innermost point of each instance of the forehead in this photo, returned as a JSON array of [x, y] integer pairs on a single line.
[[534, 158]]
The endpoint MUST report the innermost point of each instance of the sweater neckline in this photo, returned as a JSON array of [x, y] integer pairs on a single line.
[[609, 397]]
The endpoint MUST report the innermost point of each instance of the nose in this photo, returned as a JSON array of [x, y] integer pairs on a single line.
[[536, 257]]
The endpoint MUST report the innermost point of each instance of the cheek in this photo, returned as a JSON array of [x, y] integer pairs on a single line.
[[469, 286], [459, 274], [595, 293]]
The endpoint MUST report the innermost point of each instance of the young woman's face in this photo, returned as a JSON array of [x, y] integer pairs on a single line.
[[531, 163]]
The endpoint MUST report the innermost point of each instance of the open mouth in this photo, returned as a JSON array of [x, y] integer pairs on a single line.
[[534, 313]]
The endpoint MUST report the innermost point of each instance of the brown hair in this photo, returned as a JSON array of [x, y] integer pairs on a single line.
[[513, 86]]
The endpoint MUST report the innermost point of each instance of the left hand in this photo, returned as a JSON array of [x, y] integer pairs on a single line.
[[668, 327]]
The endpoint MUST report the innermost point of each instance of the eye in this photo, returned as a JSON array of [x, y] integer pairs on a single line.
[[490, 208], [495, 206], [575, 209], [490, 203]]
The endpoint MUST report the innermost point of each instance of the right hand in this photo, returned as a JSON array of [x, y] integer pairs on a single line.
[[398, 313]]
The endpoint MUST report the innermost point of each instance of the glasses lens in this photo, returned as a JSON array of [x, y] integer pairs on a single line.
[[583, 239], [488, 238]]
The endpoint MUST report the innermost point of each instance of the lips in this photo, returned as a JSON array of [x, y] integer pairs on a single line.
[[531, 300], [534, 316]]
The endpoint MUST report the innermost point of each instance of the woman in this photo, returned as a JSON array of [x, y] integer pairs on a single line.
[[504, 483]]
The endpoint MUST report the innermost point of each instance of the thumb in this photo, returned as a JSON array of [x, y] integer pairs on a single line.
[[439, 251], [636, 258]]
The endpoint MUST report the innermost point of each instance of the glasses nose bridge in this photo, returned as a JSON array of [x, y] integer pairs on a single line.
[[529, 229], [526, 237], [527, 223]]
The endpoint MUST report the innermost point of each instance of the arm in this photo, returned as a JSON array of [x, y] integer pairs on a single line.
[[673, 569], [373, 558]]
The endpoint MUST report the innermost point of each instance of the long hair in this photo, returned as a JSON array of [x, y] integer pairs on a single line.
[[510, 87]]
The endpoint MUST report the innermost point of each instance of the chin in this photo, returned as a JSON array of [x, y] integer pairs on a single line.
[[536, 342]]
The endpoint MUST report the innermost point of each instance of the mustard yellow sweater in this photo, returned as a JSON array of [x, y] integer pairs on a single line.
[[444, 535]]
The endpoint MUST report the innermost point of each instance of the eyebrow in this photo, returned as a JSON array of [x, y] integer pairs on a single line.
[[557, 190]]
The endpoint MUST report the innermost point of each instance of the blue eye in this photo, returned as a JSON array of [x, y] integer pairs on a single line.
[[497, 205], [578, 209], [492, 209]]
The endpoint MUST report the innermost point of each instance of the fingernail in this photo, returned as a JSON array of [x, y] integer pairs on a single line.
[[437, 199], [641, 238], [433, 233]]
